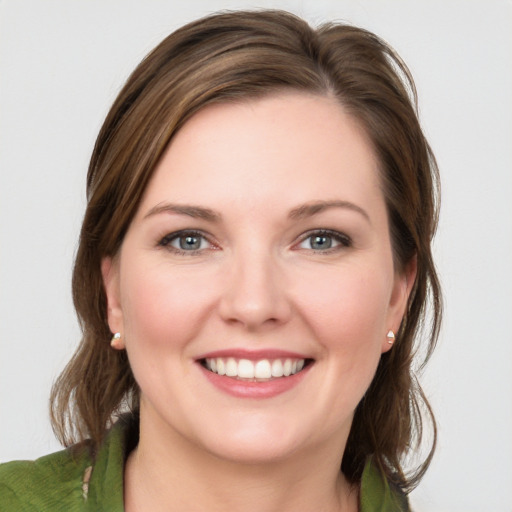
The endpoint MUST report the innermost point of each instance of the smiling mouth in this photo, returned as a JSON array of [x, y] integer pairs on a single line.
[[262, 370]]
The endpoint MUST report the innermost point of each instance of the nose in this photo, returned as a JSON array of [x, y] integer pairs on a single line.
[[255, 292]]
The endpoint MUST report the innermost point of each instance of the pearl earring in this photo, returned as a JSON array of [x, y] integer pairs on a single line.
[[115, 342], [391, 337]]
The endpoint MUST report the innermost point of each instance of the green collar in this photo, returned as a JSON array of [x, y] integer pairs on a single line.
[[376, 494]]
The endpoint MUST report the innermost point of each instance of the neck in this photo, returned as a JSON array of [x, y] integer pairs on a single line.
[[168, 472]]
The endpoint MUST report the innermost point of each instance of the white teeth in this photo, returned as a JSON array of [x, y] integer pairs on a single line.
[[277, 368], [231, 368], [262, 369], [246, 369]]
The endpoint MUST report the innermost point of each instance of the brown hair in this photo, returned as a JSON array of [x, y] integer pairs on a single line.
[[236, 56]]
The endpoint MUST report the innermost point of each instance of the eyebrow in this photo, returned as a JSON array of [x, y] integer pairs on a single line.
[[301, 212], [310, 209], [197, 212]]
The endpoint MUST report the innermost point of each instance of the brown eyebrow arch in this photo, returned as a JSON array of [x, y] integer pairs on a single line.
[[310, 209], [197, 212]]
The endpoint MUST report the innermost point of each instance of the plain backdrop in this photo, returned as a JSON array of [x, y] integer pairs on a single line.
[[62, 63]]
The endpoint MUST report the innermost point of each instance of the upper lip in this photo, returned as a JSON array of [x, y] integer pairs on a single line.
[[253, 355]]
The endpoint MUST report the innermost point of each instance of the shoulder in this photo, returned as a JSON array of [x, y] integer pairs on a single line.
[[53, 482], [71, 480]]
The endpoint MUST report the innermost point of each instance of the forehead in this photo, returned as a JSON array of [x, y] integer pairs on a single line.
[[290, 144]]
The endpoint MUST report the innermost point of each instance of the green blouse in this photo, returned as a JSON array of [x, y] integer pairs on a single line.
[[68, 481]]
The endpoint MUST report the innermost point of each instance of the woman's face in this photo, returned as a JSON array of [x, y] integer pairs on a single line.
[[255, 286]]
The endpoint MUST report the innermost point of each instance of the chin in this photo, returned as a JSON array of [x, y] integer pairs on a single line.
[[254, 451], [255, 441]]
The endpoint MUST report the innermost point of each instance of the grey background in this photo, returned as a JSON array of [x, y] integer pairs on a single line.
[[61, 65]]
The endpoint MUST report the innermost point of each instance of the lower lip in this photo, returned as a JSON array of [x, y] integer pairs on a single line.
[[250, 389]]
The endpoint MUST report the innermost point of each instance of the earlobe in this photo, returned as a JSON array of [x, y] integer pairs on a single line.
[[110, 274], [404, 282]]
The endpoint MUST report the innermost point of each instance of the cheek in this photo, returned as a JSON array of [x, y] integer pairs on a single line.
[[348, 313], [162, 307], [345, 311], [348, 299]]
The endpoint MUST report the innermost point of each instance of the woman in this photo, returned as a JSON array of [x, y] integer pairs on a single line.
[[253, 268]]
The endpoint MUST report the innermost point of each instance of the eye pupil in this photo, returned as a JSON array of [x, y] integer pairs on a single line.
[[321, 242], [190, 242]]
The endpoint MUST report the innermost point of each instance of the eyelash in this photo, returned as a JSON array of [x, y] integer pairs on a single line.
[[167, 240], [343, 240]]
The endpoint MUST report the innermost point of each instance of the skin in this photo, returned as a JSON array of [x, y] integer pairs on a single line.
[[257, 282]]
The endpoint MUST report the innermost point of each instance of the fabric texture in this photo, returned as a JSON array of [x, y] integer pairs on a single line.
[[69, 480]]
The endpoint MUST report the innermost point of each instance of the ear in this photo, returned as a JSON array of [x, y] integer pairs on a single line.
[[110, 274], [403, 283]]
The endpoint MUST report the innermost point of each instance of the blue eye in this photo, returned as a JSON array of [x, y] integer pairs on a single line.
[[185, 241], [320, 242], [325, 240]]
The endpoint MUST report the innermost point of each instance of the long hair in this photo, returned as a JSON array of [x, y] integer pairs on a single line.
[[237, 56]]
